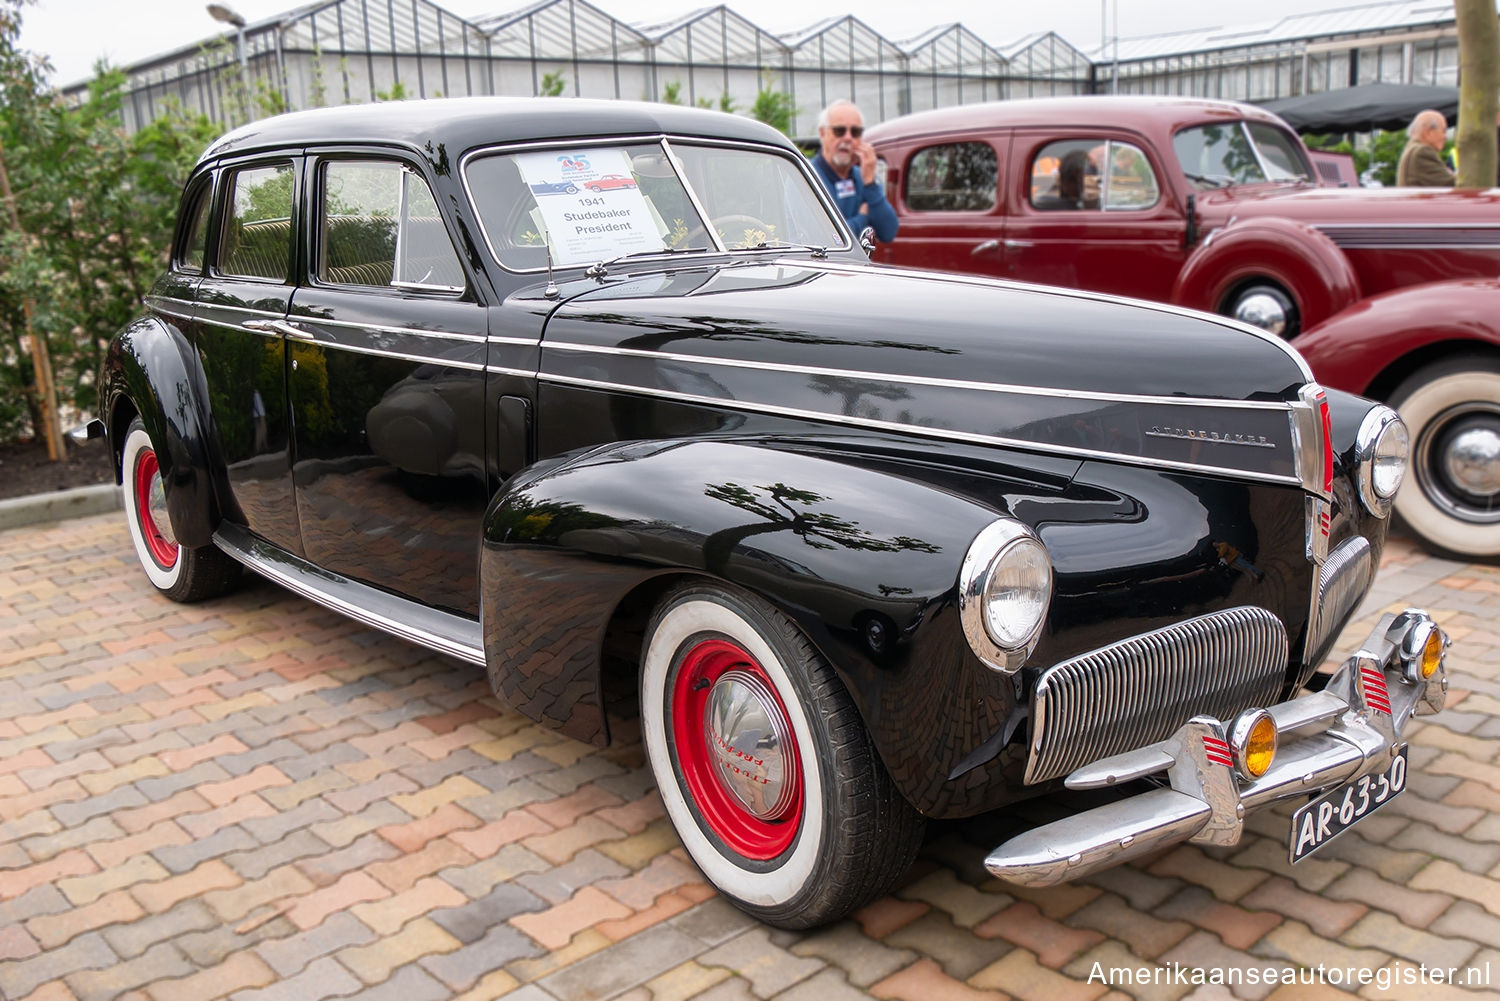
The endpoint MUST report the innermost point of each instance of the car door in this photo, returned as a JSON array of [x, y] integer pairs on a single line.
[[1089, 210], [952, 216], [241, 302], [387, 385]]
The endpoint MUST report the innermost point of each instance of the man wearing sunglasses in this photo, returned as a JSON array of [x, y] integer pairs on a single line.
[[846, 163]]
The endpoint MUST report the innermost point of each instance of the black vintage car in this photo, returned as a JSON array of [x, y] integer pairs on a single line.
[[871, 546]]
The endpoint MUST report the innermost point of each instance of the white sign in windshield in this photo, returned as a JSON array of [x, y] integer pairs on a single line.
[[590, 203]]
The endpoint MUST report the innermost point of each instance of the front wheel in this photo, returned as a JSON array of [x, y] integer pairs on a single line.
[[181, 573], [1451, 499], [763, 763]]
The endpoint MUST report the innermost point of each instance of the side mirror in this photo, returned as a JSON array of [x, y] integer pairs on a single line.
[[867, 240]]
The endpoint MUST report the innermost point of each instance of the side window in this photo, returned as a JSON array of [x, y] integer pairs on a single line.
[[1130, 182], [1092, 174], [1065, 175], [194, 249], [256, 241], [380, 226], [954, 177]]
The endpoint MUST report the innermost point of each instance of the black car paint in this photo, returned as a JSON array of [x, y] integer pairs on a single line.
[[1134, 546]]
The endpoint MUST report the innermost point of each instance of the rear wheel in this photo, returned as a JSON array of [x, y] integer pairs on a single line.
[[765, 766], [1451, 499], [181, 573]]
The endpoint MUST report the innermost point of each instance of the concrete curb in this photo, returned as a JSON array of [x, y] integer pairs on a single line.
[[60, 505]]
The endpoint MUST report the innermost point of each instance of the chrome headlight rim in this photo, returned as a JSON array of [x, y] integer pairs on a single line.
[[1380, 421], [988, 550]]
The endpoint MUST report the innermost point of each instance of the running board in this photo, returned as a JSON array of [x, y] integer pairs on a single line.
[[444, 632]]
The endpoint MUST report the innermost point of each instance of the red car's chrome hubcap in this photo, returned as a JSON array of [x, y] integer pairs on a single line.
[[151, 507], [737, 751]]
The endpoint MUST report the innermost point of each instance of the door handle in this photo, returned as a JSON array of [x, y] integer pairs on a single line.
[[284, 327], [984, 248], [1018, 244]]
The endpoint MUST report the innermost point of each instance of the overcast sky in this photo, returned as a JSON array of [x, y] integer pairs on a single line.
[[74, 34]]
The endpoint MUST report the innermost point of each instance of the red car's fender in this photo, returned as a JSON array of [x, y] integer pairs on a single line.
[[1371, 346], [1302, 261]]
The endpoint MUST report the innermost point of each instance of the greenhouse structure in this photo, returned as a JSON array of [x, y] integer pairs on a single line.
[[353, 51]]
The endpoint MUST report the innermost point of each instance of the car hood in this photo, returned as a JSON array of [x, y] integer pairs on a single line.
[[1316, 206], [956, 357]]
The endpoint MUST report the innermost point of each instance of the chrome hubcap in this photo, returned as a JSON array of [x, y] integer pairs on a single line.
[[1473, 460], [748, 739], [1263, 310], [156, 505]]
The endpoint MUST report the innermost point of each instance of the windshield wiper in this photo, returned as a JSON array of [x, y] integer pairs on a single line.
[[818, 252], [1213, 180], [601, 269]]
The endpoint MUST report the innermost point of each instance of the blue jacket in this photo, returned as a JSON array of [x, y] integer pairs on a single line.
[[854, 194]]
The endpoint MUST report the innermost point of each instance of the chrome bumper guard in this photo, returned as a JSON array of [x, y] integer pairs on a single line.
[[1351, 728]]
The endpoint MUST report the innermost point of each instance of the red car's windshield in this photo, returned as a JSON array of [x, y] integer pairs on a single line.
[[1226, 153]]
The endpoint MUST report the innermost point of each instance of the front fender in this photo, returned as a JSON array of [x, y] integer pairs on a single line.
[[152, 370], [865, 560], [1300, 259], [1360, 350]]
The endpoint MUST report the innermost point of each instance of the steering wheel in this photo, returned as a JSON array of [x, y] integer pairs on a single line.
[[722, 224]]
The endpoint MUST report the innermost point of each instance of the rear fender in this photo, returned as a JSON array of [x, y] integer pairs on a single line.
[[152, 370], [1304, 262], [863, 559], [1371, 346]]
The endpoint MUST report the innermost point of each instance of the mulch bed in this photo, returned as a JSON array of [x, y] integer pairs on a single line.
[[25, 468]]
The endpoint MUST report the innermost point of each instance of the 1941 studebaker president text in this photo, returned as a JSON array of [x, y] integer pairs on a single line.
[[870, 545], [1391, 294]]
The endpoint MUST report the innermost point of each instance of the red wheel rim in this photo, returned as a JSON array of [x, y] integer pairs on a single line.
[[146, 473], [728, 818]]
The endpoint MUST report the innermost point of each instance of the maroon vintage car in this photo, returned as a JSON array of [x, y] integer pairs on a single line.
[[1389, 293]]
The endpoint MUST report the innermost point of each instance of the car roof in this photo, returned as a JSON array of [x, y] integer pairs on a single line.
[[453, 125], [1128, 111]]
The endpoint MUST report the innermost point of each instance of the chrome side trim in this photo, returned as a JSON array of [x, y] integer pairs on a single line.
[[825, 417], [472, 366], [379, 328], [501, 370], [1159, 307], [444, 632], [918, 380], [1087, 708]]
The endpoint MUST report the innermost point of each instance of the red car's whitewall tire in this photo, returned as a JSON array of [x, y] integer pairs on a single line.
[[800, 826], [181, 573], [1452, 408]]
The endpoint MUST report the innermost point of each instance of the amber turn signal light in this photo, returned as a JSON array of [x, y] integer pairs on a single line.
[[1432, 652], [1252, 738]]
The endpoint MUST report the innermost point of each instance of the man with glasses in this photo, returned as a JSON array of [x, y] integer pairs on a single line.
[[846, 163]]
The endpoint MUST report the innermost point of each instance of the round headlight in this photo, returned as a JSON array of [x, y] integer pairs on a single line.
[[1017, 593], [1382, 448], [1004, 589], [1389, 464]]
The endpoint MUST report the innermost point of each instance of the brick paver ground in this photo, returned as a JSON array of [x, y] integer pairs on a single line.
[[258, 799]]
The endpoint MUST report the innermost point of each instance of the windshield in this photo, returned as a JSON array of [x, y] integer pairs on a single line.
[[1216, 156], [597, 203]]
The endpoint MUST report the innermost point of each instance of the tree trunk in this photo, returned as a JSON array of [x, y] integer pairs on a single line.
[[1479, 81], [40, 358]]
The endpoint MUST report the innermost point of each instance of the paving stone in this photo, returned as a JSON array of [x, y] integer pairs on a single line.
[[1142, 931], [255, 863], [624, 965], [374, 963], [462, 968], [86, 952], [325, 978], [1385, 932], [181, 858], [935, 936], [240, 971], [132, 939], [925, 980], [470, 921], [290, 955], [161, 960], [862, 959]]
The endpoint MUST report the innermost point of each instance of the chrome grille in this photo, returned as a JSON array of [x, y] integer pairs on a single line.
[[1345, 578], [1140, 690]]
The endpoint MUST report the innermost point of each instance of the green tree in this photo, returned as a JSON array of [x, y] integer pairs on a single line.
[[552, 85], [774, 107], [671, 92]]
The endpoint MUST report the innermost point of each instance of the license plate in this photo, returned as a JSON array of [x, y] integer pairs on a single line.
[[1331, 814]]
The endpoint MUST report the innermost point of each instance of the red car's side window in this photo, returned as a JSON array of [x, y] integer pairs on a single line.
[[953, 177]]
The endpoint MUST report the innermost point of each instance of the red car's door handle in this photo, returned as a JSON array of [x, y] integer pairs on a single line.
[[984, 248], [1017, 244]]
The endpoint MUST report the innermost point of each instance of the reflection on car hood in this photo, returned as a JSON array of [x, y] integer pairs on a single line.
[[946, 356], [1351, 206]]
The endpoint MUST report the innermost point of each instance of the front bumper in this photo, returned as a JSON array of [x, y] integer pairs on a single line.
[[1351, 728]]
